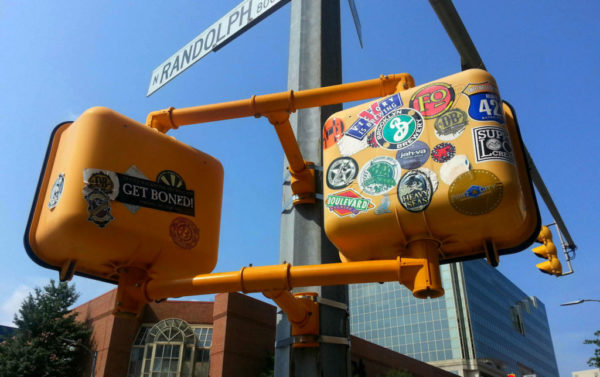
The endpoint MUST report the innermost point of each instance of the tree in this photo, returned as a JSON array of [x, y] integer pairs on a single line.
[[49, 341], [594, 361]]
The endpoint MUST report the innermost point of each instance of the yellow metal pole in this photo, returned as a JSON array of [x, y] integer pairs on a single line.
[[164, 120], [284, 277]]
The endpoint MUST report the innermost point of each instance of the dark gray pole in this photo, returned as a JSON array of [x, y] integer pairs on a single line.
[[314, 61]]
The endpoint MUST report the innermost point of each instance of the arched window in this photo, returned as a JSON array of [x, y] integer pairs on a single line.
[[171, 348]]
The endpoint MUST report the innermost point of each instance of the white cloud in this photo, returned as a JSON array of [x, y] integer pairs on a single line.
[[10, 306]]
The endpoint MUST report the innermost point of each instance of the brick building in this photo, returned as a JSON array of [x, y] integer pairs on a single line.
[[236, 333]]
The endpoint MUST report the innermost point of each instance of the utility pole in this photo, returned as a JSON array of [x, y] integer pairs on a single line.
[[314, 61]]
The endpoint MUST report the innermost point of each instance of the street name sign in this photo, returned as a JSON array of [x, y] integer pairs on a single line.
[[239, 19]]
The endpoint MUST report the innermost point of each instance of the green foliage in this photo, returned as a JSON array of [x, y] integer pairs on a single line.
[[49, 342], [268, 369], [398, 373], [594, 361]]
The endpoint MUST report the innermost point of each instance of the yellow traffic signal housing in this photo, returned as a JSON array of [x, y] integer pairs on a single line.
[[116, 197], [441, 162], [547, 251]]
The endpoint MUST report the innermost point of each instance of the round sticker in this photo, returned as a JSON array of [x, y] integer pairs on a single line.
[[451, 125], [341, 172], [475, 192], [379, 175], [399, 129], [443, 152], [413, 156], [184, 233], [433, 100], [415, 191], [456, 166]]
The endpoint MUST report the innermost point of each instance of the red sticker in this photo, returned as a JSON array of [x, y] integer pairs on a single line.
[[332, 132], [433, 100], [184, 233]]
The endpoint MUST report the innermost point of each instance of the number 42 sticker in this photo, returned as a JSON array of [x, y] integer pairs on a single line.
[[484, 105]]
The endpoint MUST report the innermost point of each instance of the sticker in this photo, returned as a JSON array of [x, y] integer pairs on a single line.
[[432, 177], [475, 192], [379, 175], [456, 166], [492, 144], [485, 103], [384, 206], [348, 202], [103, 180], [349, 145], [170, 178], [415, 191], [399, 129], [370, 117], [184, 233], [413, 156], [443, 152], [332, 132], [433, 100], [372, 141], [98, 207], [341, 172], [451, 125], [56, 191], [167, 194]]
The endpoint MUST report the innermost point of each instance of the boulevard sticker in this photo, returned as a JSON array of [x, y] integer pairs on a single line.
[[492, 144], [341, 172], [484, 102], [433, 100], [379, 175], [399, 129], [475, 192], [348, 203]]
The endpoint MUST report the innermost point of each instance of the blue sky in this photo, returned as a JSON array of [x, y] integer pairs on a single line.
[[62, 57]]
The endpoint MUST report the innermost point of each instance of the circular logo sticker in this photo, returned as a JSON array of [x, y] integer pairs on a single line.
[[451, 125], [413, 156], [415, 191], [475, 192], [332, 132], [56, 191], [101, 181], [170, 178], [456, 166], [184, 233], [379, 175], [433, 100], [341, 172], [399, 129], [443, 152]]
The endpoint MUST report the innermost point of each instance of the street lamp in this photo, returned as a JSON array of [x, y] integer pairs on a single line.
[[93, 354], [578, 302]]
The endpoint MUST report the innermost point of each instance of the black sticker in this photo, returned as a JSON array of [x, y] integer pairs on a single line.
[[341, 172], [492, 144]]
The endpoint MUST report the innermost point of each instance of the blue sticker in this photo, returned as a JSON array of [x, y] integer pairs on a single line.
[[413, 156], [388, 104], [360, 128], [485, 104], [371, 116]]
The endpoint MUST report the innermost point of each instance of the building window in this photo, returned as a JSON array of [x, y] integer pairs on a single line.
[[171, 348], [517, 319]]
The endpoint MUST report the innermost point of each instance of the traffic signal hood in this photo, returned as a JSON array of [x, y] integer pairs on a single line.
[[547, 251]]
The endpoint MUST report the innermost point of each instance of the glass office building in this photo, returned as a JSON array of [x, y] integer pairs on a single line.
[[484, 325]]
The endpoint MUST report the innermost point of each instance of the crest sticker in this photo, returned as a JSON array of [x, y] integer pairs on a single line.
[[98, 207], [492, 144], [341, 172], [184, 233], [379, 175], [399, 129], [348, 203]]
